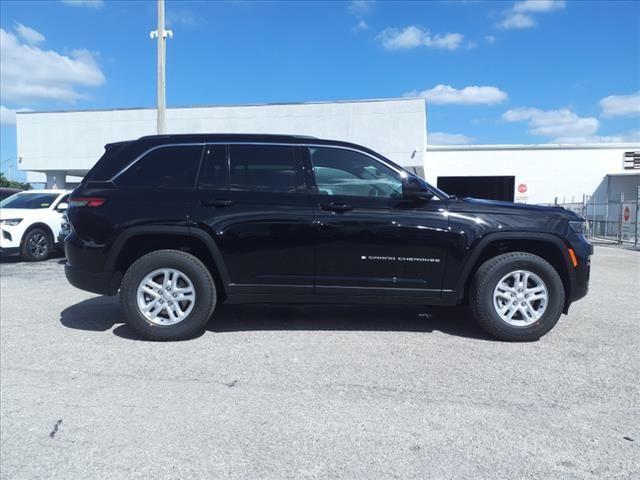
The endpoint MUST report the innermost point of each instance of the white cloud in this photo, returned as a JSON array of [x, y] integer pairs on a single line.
[[84, 3], [360, 8], [184, 18], [538, 6], [521, 14], [472, 95], [517, 21], [441, 138], [28, 34], [561, 123], [29, 73], [8, 115], [412, 37], [361, 26], [621, 105], [490, 39]]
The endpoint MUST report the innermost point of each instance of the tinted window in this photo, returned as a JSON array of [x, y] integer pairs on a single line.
[[213, 174], [29, 200], [345, 172], [264, 168], [164, 167]]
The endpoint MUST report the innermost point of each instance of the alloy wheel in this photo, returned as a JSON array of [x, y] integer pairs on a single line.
[[166, 296], [520, 298]]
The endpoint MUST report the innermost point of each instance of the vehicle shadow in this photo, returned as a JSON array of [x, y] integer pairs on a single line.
[[101, 314], [15, 258]]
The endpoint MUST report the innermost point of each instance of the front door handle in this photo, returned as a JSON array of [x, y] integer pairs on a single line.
[[218, 202], [336, 207]]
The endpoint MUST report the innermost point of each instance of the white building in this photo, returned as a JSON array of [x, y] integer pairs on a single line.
[[532, 173], [53, 147], [59, 144]]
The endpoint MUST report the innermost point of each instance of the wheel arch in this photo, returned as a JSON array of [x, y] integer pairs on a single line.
[[547, 246], [41, 225], [138, 241]]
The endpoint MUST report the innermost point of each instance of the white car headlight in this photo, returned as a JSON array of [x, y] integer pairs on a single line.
[[11, 222]]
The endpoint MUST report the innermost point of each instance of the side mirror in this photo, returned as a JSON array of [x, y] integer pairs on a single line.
[[62, 207], [414, 189]]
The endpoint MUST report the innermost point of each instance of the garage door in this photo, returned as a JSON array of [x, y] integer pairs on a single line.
[[491, 188]]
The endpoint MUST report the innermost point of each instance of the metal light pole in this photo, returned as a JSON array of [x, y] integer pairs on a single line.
[[161, 34]]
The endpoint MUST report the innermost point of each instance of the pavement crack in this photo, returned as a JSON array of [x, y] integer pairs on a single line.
[[55, 429]]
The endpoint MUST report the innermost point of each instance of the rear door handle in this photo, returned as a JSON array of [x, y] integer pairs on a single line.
[[218, 202], [336, 207]]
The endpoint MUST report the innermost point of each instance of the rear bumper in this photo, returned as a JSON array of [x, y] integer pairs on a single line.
[[102, 283]]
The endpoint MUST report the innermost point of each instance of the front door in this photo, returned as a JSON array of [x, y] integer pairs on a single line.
[[254, 202], [370, 240]]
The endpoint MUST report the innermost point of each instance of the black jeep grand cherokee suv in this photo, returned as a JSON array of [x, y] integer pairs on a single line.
[[179, 223]]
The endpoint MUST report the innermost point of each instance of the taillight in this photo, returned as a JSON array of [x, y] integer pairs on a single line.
[[86, 201]]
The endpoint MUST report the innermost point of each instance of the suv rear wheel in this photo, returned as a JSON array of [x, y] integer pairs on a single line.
[[168, 295], [517, 296]]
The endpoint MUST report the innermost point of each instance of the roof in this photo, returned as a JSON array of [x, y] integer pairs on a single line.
[[152, 140], [229, 137]]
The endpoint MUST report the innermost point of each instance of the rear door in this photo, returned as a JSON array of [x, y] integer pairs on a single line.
[[371, 241], [254, 202]]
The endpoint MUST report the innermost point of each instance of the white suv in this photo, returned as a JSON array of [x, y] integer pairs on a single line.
[[30, 222]]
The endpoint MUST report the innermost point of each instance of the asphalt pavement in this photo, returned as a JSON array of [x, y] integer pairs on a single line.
[[280, 392]]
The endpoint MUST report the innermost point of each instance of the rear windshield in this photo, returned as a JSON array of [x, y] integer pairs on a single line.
[[29, 200]]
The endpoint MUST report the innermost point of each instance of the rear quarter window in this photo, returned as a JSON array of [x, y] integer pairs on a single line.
[[171, 166]]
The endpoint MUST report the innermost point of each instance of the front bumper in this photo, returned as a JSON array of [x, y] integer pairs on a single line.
[[581, 274], [10, 237]]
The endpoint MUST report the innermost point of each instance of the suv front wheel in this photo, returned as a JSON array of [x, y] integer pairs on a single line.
[[517, 296], [168, 295]]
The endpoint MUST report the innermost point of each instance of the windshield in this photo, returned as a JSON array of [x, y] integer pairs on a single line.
[[29, 200]]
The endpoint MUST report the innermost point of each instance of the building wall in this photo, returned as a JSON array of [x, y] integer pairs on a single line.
[[73, 141], [548, 171]]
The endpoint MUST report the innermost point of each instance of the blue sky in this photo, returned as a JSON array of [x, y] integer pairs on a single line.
[[492, 72]]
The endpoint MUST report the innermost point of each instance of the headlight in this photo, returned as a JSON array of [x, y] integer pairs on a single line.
[[11, 222], [577, 226]]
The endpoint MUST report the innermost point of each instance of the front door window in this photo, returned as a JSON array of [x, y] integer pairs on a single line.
[[345, 172]]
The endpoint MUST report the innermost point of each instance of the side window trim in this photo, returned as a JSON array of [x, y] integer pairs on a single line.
[[308, 145]]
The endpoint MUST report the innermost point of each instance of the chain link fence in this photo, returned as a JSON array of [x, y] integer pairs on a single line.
[[608, 220]]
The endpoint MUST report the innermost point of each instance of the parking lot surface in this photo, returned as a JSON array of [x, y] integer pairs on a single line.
[[317, 391]]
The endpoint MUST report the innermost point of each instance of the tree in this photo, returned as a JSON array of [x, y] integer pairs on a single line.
[[6, 183]]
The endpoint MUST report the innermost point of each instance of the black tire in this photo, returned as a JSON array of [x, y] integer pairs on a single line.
[[36, 245], [485, 281], [205, 295]]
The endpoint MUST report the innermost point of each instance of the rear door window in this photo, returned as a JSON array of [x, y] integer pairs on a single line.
[[213, 173], [171, 166], [265, 168]]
